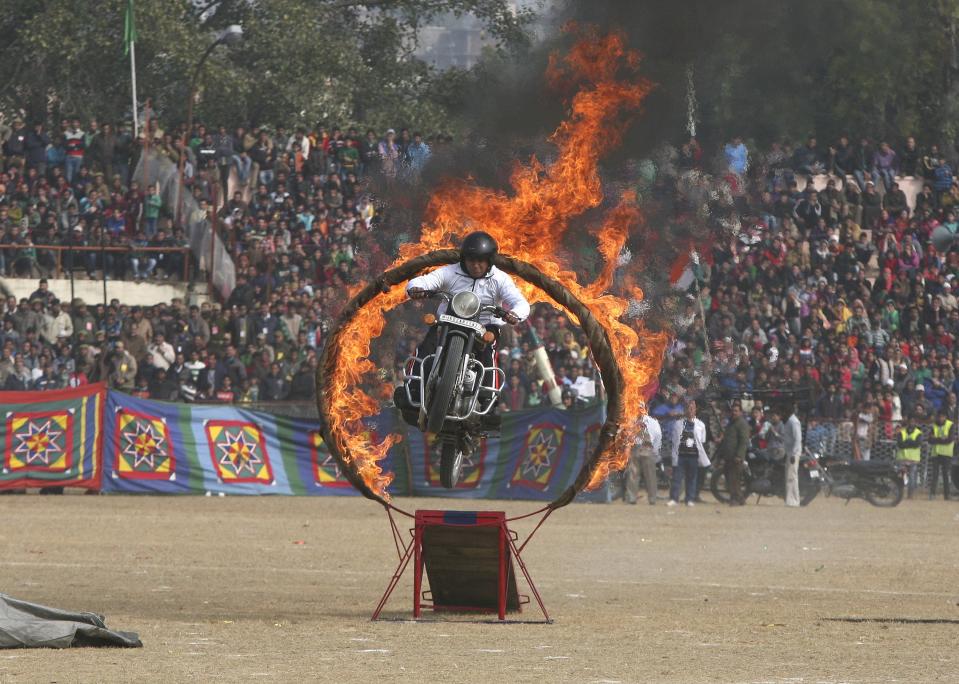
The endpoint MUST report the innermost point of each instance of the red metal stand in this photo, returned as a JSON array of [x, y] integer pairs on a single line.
[[452, 547]]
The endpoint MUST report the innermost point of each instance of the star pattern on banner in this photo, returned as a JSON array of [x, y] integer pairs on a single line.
[[330, 462], [39, 443], [540, 457], [144, 445], [239, 453]]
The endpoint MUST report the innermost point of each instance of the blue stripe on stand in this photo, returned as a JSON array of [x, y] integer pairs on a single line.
[[459, 517]]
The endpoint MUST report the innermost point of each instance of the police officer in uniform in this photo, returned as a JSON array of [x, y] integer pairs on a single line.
[[943, 445], [909, 444]]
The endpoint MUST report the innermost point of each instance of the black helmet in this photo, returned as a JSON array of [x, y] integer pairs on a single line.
[[478, 245]]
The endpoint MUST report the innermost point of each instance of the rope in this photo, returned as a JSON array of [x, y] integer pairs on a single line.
[[549, 512], [599, 345]]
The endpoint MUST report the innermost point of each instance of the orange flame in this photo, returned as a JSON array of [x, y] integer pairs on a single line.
[[529, 223]]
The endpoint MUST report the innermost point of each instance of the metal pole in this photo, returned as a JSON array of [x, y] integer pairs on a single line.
[[213, 221], [103, 260], [60, 261], [184, 139], [133, 79]]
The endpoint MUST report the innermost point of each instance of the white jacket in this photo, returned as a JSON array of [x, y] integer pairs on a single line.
[[655, 433], [494, 289], [699, 435]]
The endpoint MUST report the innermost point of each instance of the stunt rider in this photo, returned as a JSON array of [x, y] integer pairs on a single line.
[[474, 272]]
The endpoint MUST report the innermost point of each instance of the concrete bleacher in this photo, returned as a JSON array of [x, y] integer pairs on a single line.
[[91, 291], [910, 185]]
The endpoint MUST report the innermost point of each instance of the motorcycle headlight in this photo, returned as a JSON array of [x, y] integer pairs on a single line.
[[465, 305]]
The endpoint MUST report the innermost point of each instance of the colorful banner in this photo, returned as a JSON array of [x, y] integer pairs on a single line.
[[165, 448], [90, 437], [51, 439], [538, 455]]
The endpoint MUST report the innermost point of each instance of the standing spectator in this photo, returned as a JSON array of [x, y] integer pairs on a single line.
[[943, 447], [276, 387], [15, 146], [792, 444], [642, 460], [122, 149], [865, 431], [737, 156], [151, 211], [942, 179], [123, 368], [909, 449], [864, 164], [417, 153], [689, 452], [389, 154], [75, 146], [264, 154], [160, 354], [732, 450], [35, 149]]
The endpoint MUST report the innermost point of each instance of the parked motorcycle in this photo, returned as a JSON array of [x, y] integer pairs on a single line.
[[766, 477], [451, 388], [881, 483]]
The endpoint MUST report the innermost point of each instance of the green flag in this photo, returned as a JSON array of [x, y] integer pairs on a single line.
[[129, 28]]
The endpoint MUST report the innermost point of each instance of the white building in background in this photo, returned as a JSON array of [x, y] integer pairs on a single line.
[[450, 41]]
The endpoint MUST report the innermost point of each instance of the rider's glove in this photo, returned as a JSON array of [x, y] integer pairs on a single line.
[[417, 293], [511, 318]]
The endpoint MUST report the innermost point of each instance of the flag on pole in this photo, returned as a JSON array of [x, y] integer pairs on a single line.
[[129, 28]]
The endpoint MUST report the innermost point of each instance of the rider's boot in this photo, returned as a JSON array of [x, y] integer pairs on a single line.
[[411, 414], [491, 422]]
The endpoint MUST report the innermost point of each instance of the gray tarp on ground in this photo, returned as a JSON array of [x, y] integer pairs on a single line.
[[29, 625]]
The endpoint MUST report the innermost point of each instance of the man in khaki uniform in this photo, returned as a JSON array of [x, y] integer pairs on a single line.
[[642, 459]]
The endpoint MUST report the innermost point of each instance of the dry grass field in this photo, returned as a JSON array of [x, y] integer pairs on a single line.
[[281, 589]]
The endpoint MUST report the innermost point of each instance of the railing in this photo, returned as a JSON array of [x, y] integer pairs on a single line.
[[98, 250]]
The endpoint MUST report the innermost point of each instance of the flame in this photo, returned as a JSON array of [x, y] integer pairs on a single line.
[[529, 223]]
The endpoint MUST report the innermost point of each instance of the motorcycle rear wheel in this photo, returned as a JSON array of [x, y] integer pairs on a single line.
[[442, 395], [717, 485], [451, 464], [887, 492]]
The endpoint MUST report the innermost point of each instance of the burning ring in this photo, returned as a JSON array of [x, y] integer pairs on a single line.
[[365, 477]]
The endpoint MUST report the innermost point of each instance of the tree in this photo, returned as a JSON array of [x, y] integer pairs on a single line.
[[881, 68], [300, 60]]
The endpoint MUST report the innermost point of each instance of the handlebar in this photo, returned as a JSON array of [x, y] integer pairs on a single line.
[[497, 311]]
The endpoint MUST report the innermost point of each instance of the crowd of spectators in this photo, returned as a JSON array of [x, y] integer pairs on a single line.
[[834, 299], [298, 222]]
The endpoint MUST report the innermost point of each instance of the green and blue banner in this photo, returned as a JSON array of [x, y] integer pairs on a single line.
[[538, 455], [99, 439], [166, 448], [52, 438]]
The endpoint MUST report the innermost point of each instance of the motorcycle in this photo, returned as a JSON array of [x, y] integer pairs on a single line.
[[451, 389], [881, 483], [764, 476]]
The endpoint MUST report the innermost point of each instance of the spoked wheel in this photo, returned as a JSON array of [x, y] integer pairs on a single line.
[[886, 492], [451, 464], [442, 395]]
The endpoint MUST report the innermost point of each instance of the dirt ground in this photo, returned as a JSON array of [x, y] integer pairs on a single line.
[[281, 589]]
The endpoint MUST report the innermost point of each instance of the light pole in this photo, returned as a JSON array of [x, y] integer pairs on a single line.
[[231, 35]]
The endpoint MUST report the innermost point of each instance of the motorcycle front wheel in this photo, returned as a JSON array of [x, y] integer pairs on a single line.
[[451, 464], [442, 395], [886, 492], [808, 488]]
